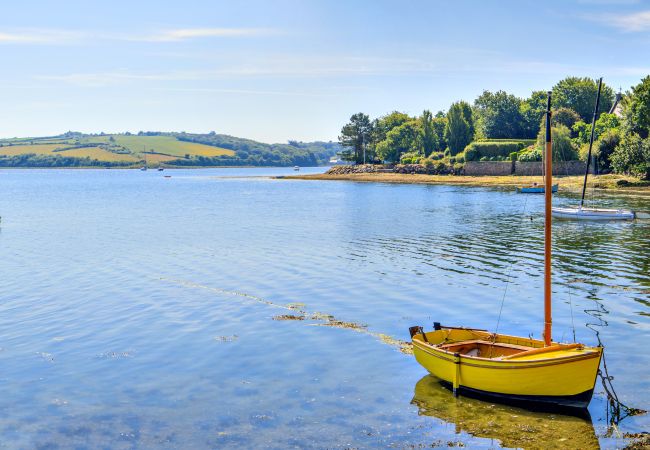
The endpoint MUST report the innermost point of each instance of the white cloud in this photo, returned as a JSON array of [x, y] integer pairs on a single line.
[[39, 36], [183, 34], [608, 2], [53, 36], [277, 67], [633, 22]]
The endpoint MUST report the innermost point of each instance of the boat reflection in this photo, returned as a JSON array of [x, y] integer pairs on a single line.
[[511, 426]]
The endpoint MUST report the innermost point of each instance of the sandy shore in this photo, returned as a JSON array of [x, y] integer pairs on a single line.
[[570, 183]]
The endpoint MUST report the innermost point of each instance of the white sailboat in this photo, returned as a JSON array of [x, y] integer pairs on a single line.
[[593, 213], [582, 213]]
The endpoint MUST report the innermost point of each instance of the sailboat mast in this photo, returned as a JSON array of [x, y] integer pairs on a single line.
[[591, 141], [548, 218]]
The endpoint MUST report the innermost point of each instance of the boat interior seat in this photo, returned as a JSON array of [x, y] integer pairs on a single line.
[[482, 348]]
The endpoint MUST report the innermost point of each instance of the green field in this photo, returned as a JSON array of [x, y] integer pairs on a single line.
[[112, 148], [167, 145], [98, 153], [40, 149]]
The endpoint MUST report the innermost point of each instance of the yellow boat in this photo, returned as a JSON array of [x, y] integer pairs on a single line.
[[511, 369]]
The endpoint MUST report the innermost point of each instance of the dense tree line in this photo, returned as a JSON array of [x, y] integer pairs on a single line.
[[35, 160], [253, 153], [622, 144]]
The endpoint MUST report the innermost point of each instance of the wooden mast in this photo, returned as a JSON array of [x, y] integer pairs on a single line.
[[548, 196]]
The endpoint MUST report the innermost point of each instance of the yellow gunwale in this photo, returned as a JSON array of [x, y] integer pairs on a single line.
[[504, 364]]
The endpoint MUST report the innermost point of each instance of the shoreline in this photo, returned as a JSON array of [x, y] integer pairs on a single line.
[[152, 168], [567, 183]]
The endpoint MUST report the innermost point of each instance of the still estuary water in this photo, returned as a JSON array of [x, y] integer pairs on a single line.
[[138, 311]]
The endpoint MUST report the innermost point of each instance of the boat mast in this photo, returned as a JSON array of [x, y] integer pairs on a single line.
[[591, 142], [548, 197]]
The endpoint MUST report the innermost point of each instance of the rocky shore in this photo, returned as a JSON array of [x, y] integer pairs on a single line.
[[417, 174], [431, 169]]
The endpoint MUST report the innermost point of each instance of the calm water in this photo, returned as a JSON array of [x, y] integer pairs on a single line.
[[137, 310]]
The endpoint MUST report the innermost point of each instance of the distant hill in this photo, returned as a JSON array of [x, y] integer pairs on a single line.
[[74, 149]]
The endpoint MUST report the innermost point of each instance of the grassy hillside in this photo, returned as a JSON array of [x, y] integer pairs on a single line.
[[172, 149], [165, 145]]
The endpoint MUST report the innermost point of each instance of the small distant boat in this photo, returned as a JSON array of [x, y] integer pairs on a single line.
[[160, 168], [143, 168], [514, 369], [535, 189], [296, 167], [593, 214], [168, 176]]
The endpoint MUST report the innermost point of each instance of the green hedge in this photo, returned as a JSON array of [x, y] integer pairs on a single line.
[[484, 150], [526, 142]]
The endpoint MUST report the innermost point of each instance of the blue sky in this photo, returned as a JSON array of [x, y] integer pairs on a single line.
[[289, 69]]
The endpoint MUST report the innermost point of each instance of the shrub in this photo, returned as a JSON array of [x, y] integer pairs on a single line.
[[490, 149], [530, 154], [410, 158], [605, 147], [471, 153], [563, 147], [513, 156], [632, 156]]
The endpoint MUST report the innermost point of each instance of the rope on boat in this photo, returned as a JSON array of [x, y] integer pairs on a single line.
[[573, 325], [505, 290], [617, 411]]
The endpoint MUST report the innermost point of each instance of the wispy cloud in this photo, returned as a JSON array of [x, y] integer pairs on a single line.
[[250, 92], [40, 36], [183, 34], [55, 37], [277, 67], [633, 22], [609, 2]]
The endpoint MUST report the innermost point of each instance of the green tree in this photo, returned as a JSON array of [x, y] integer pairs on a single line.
[[632, 156], [355, 135], [469, 118], [460, 129], [604, 148], [429, 136], [532, 111], [387, 122], [563, 147], [565, 116], [579, 94], [439, 126], [499, 115], [606, 122], [636, 109], [402, 139]]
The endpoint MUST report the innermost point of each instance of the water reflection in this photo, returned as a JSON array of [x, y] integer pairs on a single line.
[[511, 426]]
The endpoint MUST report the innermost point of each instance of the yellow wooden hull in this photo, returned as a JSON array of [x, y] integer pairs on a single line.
[[526, 371]]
